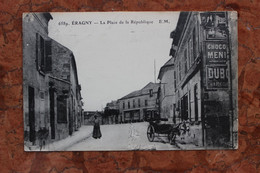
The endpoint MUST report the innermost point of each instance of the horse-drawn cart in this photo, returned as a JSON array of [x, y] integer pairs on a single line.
[[158, 129]]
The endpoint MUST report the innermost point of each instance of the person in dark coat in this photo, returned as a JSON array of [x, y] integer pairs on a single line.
[[96, 130]]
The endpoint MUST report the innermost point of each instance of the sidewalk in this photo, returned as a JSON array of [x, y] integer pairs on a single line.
[[83, 133]]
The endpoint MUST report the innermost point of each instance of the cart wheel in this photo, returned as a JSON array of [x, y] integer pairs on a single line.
[[150, 133], [172, 137]]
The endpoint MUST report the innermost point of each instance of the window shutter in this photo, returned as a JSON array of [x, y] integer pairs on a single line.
[[48, 56], [37, 51], [151, 92], [194, 44], [42, 60]]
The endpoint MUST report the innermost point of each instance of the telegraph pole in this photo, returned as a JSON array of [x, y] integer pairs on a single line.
[[154, 72]]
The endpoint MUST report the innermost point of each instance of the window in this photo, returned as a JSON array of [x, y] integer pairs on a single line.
[[48, 56], [189, 105], [179, 71], [174, 114], [194, 44], [43, 54], [151, 92], [128, 104], [185, 61], [123, 105], [42, 95], [134, 103], [42, 61], [139, 103], [191, 51], [196, 101], [164, 90], [146, 103], [184, 107], [174, 76], [61, 109], [179, 108]]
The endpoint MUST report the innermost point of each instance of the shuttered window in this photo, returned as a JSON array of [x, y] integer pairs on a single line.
[[37, 51], [48, 56], [194, 44], [151, 92], [191, 51], [43, 54], [175, 81], [42, 58], [180, 70], [185, 61]]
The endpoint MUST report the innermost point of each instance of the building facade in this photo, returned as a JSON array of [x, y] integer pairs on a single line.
[[166, 93], [202, 79], [140, 105], [52, 99]]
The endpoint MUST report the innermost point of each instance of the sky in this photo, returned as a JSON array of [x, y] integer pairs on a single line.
[[114, 51]]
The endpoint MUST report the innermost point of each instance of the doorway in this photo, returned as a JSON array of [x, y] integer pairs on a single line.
[[32, 133], [196, 102], [52, 114], [184, 108]]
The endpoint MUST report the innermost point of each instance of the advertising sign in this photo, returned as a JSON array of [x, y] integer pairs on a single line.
[[216, 54], [216, 34], [213, 19], [215, 25], [217, 76]]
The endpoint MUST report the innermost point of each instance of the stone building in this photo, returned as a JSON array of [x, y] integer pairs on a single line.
[[204, 95], [51, 92], [140, 105]]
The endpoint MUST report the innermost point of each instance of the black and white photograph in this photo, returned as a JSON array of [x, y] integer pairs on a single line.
[[120, 81]]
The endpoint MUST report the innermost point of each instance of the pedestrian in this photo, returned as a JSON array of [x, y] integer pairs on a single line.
[[96, 130]]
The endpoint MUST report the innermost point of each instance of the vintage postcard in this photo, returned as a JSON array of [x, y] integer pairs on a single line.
[[105, 81]]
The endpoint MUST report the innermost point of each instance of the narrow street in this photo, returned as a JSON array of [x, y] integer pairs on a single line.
[[121, 137]]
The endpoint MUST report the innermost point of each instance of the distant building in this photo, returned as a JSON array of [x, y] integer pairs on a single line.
[[89, 117], [140, 105], [166, 92], [111, 113], [52, 99]]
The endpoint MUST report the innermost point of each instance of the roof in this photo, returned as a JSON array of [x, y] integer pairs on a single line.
[[47, 15], [176, 36], [132, 94], [169, 63], [177, 33], [143, 91], [179, 28]]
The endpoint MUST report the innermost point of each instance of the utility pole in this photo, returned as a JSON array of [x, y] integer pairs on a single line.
[[154, 72]]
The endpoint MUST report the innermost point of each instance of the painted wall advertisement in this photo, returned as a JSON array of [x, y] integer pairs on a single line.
[[216, 49], [216, 65]]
